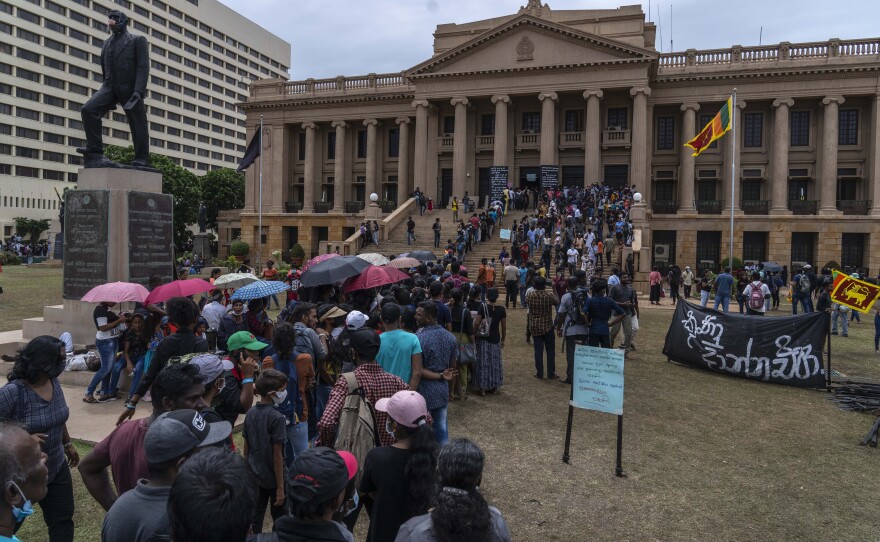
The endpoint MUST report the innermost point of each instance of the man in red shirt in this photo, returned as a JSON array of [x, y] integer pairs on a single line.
[[176, 387]]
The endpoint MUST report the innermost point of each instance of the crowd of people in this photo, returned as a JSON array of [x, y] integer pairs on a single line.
[[26, 250]]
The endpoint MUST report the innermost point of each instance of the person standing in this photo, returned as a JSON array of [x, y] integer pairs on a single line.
[[599, 309], [541, 303], [439, 366], [454, 208], [687, 279], [654, 279], [511, 281], [271, 274], [481, 279], [571, 323], [625, 296], [411, 231], [463, 329], [489, 367], [755, 294], [109, 326], [400, 352], [437, 230], [33, 398], [706, 283], [723, 288]]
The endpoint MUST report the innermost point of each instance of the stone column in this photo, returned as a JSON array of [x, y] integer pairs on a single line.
[[874, 160], [309, 169], [500, 157], [828, 177], [639, 150], [548, 128], [370, 185], [728, 176], [686, 176], [404, 188], [339, 167], [273, 198], [459, 147], [420, 166], [779, 158], [593, 138]]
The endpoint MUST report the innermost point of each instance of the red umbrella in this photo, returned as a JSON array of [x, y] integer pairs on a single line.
[[116, 292], [178, 288], [318, 259], [374, 276]]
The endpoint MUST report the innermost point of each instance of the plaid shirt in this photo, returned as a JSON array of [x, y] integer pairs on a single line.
[[541, 311], [377, 384], [20, 402]]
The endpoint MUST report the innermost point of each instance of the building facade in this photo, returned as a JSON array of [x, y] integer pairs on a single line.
[[586, 91], [203, 56]]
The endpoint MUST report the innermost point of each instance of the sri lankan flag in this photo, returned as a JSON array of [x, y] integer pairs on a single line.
[[852, 292], [716, 128]]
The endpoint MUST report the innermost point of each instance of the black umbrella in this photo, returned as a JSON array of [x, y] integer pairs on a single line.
[[333, 270], [423, 255], [772, 267]]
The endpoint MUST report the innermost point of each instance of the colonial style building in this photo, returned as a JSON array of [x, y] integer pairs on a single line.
[[586, 91]]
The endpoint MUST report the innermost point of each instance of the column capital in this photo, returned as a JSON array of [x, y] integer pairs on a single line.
[[338, 124], [402, 120], [788, 102], [545, 95], [590, 93], [500, 98], [371, 122], [687, 106], [459, 100], [421, 103], [309, 125], [741, 104], [640, 90], [827, 100]]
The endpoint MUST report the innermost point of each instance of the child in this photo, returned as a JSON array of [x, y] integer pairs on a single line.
[[430, 206], [264, 438]]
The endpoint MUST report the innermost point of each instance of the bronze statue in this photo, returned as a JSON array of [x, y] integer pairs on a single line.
[[125, 64], [203, 217]]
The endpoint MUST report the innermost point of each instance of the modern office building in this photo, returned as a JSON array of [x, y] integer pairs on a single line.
[[203, 56], [586, 91]]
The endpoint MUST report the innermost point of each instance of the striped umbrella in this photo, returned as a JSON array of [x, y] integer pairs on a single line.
[[231, 281], [318, 259], [259, 289], [374, 258], [404, 263]]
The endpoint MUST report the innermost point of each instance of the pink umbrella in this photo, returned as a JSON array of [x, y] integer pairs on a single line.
[[178, 288], [404, 263], [373, 277], [318, 259], [116, 292]]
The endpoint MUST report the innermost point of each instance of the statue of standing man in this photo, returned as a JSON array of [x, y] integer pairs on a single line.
[[125, 64]]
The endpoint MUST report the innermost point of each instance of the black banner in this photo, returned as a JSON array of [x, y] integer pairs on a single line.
[[549, 177], [783, 350], [498, 176]]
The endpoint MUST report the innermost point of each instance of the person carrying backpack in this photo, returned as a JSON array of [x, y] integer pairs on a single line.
[[801, 290], [571, 323], [756, 293]]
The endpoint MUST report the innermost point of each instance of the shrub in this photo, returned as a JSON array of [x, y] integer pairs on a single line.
[[9, 258], [239, 248], [297, 251], [737, 263]]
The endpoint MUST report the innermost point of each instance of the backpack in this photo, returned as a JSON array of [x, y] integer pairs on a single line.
[[340, 350], [357, 432], [577, 308], [756, 298], [804, 284]]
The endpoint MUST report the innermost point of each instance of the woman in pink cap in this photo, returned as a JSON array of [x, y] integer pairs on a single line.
[[400, 478]]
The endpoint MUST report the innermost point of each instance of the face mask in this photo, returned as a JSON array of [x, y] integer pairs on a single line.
[[349, 505], [279, 397], [237, 313], [221, 383], [20, 514], [56, 370]]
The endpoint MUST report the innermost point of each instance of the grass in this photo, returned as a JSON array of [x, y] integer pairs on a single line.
[[25, 292], [707, 456]]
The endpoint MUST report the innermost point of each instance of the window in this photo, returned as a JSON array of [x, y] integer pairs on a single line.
[[617, 118], [79, 53], [362, 144], [393, 143], [78, 89], [53, 156], [77, 35], [574, 121], [53, 138], [55, 64], [28, 35], [753, 128], [5, 129], [53, 100], [76, 70], [57, 27], [5, 148], [331, 145], [755, 246], [665, 133], [27, 133], [301, 147], [54, 45], [800, 128], [751, 190], [26, 152], [5, 88], [53, 175], [28, 16], [848, 126], [27, 55], [27, 74], [27, 113], [52, 6], [79, 17], [487, 125], [449, 124], [23, 171], [531, 122]]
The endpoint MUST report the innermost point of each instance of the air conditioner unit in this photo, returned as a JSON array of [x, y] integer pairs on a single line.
[[661, 253]]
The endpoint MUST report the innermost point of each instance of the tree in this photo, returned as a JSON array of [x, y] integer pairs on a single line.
[[222, 189], [31, 227], [183, 185]]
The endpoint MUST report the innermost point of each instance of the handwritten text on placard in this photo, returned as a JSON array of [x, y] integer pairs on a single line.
[[598, 379]]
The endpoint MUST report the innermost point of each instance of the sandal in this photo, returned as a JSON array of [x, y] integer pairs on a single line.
[[89, 399]]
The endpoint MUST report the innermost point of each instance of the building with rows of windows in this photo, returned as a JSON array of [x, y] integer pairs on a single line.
[[203, 56], [587, 91]]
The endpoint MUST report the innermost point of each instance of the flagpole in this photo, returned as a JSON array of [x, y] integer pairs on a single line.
[[732, 174], [260, 214]]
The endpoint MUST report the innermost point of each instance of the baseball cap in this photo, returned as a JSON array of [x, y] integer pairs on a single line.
[[351, 462], [317, 474], [355, 320], [244, 339], [406, 407], [210, 366], [178, 432], [365, 342]]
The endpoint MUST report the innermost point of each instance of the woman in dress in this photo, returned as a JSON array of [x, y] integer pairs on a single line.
[[34, 399], [489, 368], [654, 281]]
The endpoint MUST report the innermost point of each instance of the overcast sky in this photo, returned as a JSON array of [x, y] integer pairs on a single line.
[[355, 37]]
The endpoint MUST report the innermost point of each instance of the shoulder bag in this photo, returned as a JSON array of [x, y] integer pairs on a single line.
[[467, 354]]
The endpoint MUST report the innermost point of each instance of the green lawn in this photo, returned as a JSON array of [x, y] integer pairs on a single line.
[[707, 456]]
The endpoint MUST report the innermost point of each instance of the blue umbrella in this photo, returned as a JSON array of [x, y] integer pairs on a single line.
[[259, 289]]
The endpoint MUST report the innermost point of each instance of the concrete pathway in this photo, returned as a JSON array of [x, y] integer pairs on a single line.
[[93, 422]]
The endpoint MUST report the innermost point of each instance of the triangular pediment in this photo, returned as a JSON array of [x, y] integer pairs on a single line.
[[526, 42]]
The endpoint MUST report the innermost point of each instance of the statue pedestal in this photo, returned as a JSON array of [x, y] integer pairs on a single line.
[[118, 226], [202, 246]]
